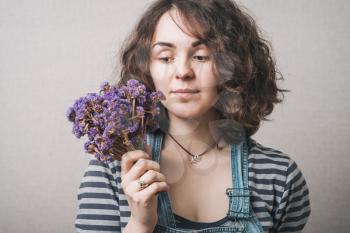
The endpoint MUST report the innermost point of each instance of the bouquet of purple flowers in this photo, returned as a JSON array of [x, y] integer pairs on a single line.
[[116, 120]]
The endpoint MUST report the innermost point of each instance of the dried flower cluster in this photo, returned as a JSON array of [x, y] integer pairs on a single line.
[[116, 120]]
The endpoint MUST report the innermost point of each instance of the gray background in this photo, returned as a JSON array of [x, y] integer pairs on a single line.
[[53, 52]]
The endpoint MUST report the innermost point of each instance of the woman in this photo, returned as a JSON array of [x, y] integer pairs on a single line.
[[203, 171]]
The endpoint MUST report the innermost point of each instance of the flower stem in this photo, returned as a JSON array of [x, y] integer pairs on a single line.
[[133, 106]]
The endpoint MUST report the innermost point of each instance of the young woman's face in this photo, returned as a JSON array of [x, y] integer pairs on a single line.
[[182, 70]]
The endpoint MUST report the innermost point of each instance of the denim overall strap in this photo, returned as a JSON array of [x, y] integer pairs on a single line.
[[239, 203], [165, 215], [240, 211]]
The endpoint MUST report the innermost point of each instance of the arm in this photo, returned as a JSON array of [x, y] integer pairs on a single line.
[[293, 210], [98, 203]]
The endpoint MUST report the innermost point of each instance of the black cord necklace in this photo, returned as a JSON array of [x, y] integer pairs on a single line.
[[195, 158]]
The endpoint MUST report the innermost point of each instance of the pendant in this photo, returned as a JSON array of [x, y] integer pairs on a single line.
[[195, 159]]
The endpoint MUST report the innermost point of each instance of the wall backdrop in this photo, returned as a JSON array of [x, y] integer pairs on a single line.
[[52, 52]]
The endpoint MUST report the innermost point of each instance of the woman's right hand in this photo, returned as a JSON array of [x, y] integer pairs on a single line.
[[143, 203]]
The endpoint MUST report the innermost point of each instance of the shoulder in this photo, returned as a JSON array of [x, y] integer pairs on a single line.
[[275, 180], [100, 174], [268, 170], [272, 173], [258, 150], [267, 160], [112, 168], [269, 163]]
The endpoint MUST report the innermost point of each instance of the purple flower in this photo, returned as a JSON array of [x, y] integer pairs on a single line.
[[133, 127], [70, 114], [116, 119], [132, 83], [93, 131], [122, 92], [105, 87], [140, 111]]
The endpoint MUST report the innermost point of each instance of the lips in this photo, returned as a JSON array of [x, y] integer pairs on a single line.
[[186, 90], [185, 95]]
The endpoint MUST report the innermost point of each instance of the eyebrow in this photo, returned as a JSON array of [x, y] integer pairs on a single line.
[[160, 43]]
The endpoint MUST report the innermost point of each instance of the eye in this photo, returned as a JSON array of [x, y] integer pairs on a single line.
[[199, 58], [202, 58], [164, 59]]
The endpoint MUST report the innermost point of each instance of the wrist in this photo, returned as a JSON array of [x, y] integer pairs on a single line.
[[142, 228]]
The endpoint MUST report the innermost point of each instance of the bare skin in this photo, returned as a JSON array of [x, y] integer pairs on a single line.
[[197, 192]]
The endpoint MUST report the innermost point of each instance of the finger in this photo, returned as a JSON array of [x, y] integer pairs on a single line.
[[129, 158], [149, 177], [140, 167], [154, 189]]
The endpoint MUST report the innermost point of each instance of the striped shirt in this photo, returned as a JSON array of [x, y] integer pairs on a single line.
[[279, 194]]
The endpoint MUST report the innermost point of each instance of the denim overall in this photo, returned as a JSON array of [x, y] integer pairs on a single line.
[[240, 213]]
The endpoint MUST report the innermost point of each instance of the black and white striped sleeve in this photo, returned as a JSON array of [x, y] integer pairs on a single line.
[[294, 208], [98, 203]]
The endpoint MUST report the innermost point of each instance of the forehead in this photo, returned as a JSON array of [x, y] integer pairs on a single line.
[[172, 32]]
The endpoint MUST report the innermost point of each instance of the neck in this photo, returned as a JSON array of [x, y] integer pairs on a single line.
[[193, 133]]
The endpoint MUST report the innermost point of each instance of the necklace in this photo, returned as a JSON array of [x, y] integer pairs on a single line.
[[195, 158]]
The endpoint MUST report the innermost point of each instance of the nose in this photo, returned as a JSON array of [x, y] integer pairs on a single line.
[[183, 69]]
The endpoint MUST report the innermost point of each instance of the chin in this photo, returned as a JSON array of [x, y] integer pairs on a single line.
[[186, 112], [187, 115]]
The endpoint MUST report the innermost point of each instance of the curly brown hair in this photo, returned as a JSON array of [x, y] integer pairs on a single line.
[[242, 58]]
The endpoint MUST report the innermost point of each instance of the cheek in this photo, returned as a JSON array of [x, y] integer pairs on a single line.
[[159, 77], [206, 77], [161, 85], [211, 96]]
